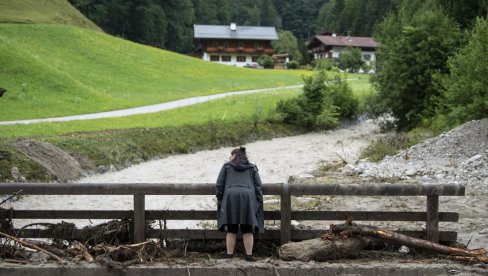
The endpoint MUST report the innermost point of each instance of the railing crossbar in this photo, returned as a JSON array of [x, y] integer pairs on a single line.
[[139, 191]]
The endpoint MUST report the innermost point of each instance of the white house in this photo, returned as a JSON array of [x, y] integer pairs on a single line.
[[234, 45], [331, 46]]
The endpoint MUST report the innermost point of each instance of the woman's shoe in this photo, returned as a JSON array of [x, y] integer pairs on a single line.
[[249, 258], [228, 256]]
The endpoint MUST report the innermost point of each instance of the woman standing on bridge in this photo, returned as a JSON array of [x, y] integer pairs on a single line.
[[240, 201]]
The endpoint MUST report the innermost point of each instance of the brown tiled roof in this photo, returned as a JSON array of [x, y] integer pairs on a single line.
[[351, 41]]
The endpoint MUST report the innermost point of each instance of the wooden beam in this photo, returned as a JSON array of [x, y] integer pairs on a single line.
[[378, 189], [210, 215], [432, 222], [139, 218], [201, 234], [209, 189], [285, 213], [370, 216], [68, 214]]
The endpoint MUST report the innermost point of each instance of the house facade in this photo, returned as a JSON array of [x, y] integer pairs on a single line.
[[331, 46], [234, 45]]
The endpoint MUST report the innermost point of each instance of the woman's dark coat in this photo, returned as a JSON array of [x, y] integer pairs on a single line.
[[239, 196]]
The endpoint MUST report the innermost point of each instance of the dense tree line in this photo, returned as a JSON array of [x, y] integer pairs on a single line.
[[169, 23]]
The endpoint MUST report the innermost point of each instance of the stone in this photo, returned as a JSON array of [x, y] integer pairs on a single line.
[[14, 172], [404, 249]]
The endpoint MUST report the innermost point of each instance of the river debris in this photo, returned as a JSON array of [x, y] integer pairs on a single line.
[[350, 229], [110, 244]]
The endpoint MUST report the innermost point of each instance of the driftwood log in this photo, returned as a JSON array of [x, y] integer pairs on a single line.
[[33, 246], [322, 249], [353, 229], [346, 240]]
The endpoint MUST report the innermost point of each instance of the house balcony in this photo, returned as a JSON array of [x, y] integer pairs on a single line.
[[244, 50]]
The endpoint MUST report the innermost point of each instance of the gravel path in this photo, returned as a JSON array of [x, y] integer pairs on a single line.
[[146, 109]]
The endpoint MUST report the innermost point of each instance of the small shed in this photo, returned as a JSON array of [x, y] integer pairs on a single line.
[[280, 61]]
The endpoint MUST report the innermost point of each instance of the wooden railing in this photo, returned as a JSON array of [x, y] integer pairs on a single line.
[[432, 216], [247, 50]]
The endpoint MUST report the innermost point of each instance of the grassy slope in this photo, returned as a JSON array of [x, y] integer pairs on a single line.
[[58, 70], [43, 11]]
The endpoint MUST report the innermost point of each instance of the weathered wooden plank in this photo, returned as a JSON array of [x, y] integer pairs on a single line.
[[432, 221], [370, 215], [200, 234], [378, 189], [211, 215], [139, 218], [285, 214], [209, 189], [68, 214]]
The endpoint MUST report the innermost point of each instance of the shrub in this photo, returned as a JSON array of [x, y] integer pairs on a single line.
[[306, 67], [343, 99], [265, 61], [315, 108], [292, 65], [350, 60], [325, 64]]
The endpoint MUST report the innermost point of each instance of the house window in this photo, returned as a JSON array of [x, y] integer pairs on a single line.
[[255, 59], [226, 44], [226, 58], [367, 57], [214, 58], [241, 58]]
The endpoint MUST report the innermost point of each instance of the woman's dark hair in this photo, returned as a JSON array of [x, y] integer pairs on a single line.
[[239, 155]]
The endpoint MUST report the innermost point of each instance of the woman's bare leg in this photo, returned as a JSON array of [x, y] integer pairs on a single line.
[[230, 242], [248, 240]]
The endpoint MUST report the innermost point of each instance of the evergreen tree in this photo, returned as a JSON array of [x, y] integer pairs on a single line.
[[415, 44], [268, 14], [465, 89], [302, 47], [223, 13], [205, 12], [148, 24], [180, 17], [465, 12]]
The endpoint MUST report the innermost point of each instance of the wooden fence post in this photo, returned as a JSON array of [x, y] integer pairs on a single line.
[[139, 218], [285, 213], [432, 223]]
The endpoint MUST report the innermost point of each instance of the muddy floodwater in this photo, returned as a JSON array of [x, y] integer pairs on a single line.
[[277, 160]]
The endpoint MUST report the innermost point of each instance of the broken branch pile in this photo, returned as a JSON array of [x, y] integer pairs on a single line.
[[348, 239]]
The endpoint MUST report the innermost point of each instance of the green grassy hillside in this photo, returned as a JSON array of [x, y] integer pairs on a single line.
[[58, 70], [43, 11]]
